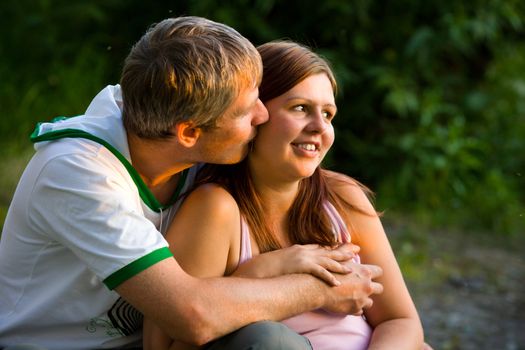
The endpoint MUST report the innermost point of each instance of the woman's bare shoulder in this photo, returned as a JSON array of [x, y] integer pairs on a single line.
[[348, 188], [212, 198]]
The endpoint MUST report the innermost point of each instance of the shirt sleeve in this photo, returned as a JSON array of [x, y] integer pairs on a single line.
[[88, 203]]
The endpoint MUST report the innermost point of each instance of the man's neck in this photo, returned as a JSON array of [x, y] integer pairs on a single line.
[[158, 164]]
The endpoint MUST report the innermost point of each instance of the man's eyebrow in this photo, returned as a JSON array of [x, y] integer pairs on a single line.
[[243, 110]]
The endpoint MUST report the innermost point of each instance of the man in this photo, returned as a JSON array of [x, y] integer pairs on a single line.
[[82, 248]]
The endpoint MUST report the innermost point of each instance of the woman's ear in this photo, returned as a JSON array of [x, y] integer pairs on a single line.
[[187, 133]]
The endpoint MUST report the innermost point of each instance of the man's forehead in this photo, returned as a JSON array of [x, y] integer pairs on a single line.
[[246, 99]]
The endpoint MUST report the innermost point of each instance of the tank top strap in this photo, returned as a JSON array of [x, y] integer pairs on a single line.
[[338, 224], [246, 247], [338, 227]]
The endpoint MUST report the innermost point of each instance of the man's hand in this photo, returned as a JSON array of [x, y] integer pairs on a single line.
[[355, 291]]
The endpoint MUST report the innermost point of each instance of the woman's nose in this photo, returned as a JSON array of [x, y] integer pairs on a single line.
[[317, 123]]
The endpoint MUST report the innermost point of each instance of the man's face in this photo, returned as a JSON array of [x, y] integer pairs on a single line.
[[228, 142]]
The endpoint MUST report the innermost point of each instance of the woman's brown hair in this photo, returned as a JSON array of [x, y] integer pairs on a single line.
[[285, 64]]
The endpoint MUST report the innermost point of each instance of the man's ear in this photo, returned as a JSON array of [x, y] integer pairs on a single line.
[[187, 133]]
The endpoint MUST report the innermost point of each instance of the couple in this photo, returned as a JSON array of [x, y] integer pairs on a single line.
[[82, 247]]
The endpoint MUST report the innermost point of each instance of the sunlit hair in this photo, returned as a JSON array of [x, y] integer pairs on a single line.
[[185, 69], [285, 64]]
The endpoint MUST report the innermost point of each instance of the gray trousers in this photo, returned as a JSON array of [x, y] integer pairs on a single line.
[[24, 347], [263, 335]]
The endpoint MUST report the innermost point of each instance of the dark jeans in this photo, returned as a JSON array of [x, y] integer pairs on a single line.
[[264, 335]]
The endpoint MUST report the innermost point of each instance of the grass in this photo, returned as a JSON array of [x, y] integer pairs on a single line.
[[13, 165]]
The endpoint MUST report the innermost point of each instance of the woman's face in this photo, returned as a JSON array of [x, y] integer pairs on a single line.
[[299, 132]]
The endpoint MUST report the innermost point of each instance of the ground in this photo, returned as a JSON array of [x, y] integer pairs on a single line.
[[469, 288]]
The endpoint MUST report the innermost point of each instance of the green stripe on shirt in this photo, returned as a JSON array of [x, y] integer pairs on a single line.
[[141, 264]]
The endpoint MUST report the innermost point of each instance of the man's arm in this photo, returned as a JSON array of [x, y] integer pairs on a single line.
[[199, 310]]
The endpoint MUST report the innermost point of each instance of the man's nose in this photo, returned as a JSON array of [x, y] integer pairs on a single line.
[[260, 114]]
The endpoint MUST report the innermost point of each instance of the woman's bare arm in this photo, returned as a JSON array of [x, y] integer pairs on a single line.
[[393, 315], [204, 238], [197, 310]]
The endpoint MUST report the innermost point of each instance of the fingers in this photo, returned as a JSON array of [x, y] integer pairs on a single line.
[[349, 247], [370, 272], [330, 259], [356, 290], [333, 265], [355, 248], [324, 262], [325, 275], [367, 304], [324, 269], [341, 253], [377, 288], [373, 270], [358, 313]]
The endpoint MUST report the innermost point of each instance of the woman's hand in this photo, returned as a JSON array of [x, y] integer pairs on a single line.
[[310, 258]]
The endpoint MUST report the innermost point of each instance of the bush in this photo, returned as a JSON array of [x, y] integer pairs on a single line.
[[431, 109]]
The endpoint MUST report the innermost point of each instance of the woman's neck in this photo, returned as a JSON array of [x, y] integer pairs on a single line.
[[277, 197]]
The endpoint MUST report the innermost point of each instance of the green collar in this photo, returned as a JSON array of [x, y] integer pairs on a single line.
[[145, 194]]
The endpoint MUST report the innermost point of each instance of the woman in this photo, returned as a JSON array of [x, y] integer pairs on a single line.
[[278, 205]]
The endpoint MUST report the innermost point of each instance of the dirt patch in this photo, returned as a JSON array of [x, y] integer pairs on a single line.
[[469, 289]]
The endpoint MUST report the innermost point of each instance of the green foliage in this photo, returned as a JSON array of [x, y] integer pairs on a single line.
[[47, 67], [412, 251], [431, 104]]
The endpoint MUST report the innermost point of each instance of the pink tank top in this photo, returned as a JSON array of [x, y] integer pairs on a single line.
[[325, 330]]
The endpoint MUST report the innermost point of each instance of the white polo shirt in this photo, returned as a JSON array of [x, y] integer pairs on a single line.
[[81, 222]]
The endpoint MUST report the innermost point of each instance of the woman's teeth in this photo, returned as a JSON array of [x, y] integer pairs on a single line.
[[307, 146]]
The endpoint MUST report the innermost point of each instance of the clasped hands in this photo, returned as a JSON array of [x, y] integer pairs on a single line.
[[352, 283]]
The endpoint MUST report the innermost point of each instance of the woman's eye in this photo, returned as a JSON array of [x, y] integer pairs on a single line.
[[328, 115], [299, 108]]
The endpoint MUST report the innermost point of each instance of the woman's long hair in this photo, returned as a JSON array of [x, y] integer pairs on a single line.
[[285, 64]]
